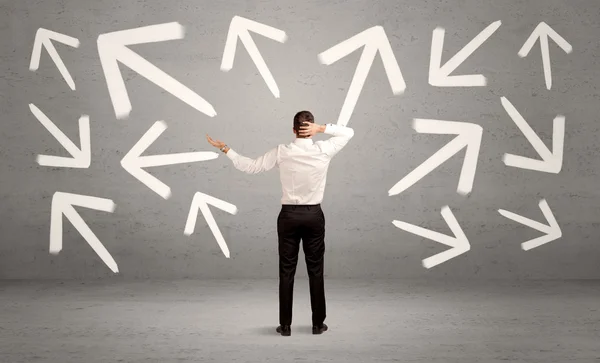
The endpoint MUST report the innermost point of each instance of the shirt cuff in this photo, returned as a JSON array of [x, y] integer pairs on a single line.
[[231, 154], [330, 129]]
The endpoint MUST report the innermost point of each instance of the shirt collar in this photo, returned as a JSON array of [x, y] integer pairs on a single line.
[[302, 141]]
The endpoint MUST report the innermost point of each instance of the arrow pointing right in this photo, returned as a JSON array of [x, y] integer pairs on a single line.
[[62, 204], [201, 201], [374, 40], [112, 48], [459, 243], [239, 28], [81, 158], [469, 137], [543, 31], [133, 162], [552, 231], [551, 160], [44, 38]]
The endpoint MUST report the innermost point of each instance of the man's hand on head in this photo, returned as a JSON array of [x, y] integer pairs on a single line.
[[309, 129]]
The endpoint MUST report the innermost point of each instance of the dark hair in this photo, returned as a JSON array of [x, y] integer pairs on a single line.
[[301, 117]]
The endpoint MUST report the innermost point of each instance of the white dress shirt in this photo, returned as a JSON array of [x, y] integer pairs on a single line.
[[303, 164]]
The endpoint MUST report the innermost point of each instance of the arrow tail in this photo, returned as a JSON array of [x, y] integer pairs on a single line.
[[258, 60], [155, 75], [525, 221], [358, 81], [177, 158]]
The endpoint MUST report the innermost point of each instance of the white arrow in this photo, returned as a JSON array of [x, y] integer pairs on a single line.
[[81, 158], [551, 160], [469, 137], [459, 243], [44, 38], [133, 162], [543, 31], [240, 28], [201, 201], [62, 204], [374, 40], [440, 75], [552, 230], [112, 48]]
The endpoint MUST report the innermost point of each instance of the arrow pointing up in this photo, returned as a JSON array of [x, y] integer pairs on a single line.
[[552, 231], [133, 162], [44, 38], [201, 201], [240, 28], [543, 31], [112, 48], [374, 40], [469, 137], [81, 158], [62, 204], [551, 160], [440, 75], [459, 243]]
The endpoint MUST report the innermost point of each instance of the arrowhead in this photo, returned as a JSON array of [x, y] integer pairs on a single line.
[[201, 202], [552, 230], [63, 204], [43, 38], [439, 75], [543, 30]]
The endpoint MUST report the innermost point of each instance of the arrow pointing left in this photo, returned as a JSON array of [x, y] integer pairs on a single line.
[[133, 162], [201, 201], [373, 40], [81, 158], [112, 48], [62, 204], [459, 243], [44, 38], [240, 28]]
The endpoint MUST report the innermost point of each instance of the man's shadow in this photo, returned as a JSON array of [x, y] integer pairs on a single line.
[[270, 330]]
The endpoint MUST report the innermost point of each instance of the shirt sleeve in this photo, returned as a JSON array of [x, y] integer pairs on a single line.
[[254, 166], [340, 137]]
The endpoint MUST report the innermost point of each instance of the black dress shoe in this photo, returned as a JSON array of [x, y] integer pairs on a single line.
[[284, 330], [319, 329]]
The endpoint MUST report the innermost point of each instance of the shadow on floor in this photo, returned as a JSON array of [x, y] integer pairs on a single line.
[[270, 330]]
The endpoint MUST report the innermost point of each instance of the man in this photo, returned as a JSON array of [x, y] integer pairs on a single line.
[[303, 166]]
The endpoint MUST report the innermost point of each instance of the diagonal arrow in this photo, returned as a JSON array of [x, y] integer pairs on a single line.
[[62, 204], [440, 75], [542, 32], [551, 160], [201, 201], [552, 231], [81, 158], [459, 243], [373, 40], [133, 162], [44, 38], [112, 48], [240, 28], [469, 137]]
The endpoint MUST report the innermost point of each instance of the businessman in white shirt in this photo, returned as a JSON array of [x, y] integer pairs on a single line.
[[303, 166]]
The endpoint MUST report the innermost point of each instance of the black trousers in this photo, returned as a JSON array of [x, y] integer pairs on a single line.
[[306, 223]]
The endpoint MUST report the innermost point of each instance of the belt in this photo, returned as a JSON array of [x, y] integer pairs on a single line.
[[300, 206]]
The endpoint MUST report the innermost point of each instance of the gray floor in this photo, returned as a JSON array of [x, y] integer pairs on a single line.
[[234, 321]]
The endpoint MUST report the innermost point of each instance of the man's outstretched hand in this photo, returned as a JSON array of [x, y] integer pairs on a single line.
[[309, 129], [216, 143]]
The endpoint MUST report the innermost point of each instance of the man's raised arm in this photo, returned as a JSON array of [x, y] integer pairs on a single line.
[[253, 166], [340, 137]]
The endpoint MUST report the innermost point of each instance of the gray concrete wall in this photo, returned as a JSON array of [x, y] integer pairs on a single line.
[[145, 235]]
